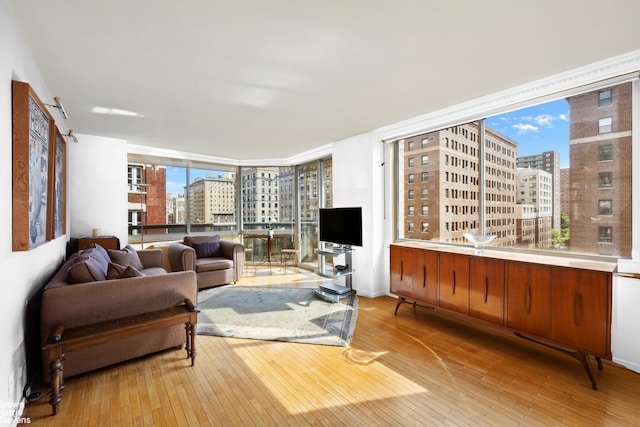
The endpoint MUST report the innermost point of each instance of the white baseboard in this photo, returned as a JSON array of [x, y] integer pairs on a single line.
[[629, 365]]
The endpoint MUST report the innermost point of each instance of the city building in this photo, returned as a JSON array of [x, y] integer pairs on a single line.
[[535, 189], [526, 225], [146, 198], [260, 202], [441, 177], [548, 161], [565, 193], [212, 200], [177, 209], [600, 177]]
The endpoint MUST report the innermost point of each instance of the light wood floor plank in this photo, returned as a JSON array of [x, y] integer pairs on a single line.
[[417, 368]]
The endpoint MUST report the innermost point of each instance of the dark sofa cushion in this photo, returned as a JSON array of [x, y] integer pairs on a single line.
[[190, 240], [207, 249]]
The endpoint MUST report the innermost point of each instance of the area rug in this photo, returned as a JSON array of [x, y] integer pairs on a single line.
[[276, 314]]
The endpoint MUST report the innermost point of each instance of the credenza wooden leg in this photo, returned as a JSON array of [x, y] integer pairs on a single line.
[[584, 359]]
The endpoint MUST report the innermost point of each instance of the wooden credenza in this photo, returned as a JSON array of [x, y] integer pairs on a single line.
[[559, 302]]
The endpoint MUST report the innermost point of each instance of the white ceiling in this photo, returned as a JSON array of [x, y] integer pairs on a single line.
[[259, 79]]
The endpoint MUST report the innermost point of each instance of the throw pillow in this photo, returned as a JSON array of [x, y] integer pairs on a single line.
[[207, 249], [117, 271], [126, 256], [85, 269], [102, 251], [95, 255], [190, 240]]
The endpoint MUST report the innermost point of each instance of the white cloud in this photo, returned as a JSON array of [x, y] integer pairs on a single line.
[[544, 120], [523, 128]]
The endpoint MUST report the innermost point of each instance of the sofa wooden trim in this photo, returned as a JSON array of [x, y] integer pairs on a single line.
[[63, 339]]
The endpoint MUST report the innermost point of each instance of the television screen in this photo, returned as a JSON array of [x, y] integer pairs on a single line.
[[342, 226]]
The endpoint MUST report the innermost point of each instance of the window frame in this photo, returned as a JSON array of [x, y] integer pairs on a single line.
[[605, 125], [605, 102], [585, 79]]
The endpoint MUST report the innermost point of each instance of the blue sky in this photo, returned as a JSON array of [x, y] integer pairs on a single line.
[[536, 129]]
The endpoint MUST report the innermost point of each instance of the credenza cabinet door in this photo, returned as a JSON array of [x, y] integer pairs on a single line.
[[401, 267], [580, 310], [414, 274], [425, 282], [529, 298], [454, 282], [486, 289]]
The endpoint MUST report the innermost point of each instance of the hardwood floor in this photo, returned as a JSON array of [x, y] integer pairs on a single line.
[[416, 368]]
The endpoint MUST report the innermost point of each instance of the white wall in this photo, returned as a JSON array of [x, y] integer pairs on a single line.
[[358, 180], [97, 197], [98, 185], [22, 272], [625, 323]]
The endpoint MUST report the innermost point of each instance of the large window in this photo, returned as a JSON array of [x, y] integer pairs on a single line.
[[501, 175], [166, 202], [315, 191]]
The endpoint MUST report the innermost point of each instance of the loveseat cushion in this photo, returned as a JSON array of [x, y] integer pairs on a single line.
[[213, 264], [126, 256], [207, 249]]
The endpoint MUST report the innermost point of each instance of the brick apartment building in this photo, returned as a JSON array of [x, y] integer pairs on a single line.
[[441, 185], [565, 192], [600, 171], [146, 196]]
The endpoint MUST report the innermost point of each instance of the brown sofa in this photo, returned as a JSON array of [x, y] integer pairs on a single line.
[[215, 261], [77, 304]]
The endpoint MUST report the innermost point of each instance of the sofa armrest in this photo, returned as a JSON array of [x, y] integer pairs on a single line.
[[233, 251], [150, 258], [87, 303], [181, 257], [230, 249]]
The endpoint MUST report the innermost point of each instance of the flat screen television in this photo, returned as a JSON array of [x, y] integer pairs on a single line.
[[341, 226]]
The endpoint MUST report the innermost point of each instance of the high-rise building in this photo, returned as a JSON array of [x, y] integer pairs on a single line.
[[212, 200], [260, 191], [548, 161], [600, 171], [309, 192], [177, 209], [441, 185], [535, 188], [286, 195]]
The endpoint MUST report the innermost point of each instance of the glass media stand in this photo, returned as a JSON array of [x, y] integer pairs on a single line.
[[334, 291]]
